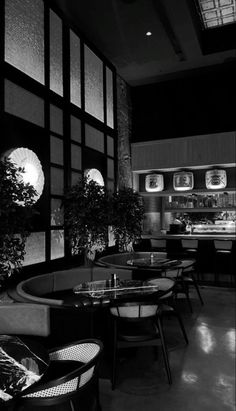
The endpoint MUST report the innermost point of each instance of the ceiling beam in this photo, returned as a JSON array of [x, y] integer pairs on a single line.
[[164, 19]]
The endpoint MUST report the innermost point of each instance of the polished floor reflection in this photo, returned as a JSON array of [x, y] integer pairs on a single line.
[[203, 372]]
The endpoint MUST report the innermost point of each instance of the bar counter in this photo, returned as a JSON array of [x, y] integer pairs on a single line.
[[197, 236]]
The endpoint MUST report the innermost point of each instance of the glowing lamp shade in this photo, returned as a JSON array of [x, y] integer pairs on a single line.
[[95, 175], [216, 179], [33, 172], [154, 182], [183, 181]]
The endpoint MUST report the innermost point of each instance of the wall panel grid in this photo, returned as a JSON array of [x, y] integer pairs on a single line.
[[57, 83]]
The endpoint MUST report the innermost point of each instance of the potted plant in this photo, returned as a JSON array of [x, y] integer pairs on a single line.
[[16, 199], [127, 213], [86, 218]]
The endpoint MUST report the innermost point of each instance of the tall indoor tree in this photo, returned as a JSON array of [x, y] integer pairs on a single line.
[[127, 212], [16, 200], [86, 218]]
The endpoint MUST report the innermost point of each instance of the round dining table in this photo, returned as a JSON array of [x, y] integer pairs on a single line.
[[23, 362]]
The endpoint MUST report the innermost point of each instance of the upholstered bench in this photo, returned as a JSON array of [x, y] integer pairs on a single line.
[[34, 289]]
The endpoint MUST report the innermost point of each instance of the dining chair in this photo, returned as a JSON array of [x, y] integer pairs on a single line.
[[166, 306], [184, 279], [136, 324], [71, 382]]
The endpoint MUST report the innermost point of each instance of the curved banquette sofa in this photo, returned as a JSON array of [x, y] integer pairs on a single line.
[[34, 289]]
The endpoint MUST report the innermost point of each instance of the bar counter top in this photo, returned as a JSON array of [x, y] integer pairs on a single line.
[[197, 236]]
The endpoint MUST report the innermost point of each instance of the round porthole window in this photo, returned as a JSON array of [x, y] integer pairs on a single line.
[[33, 172], [95, 175]]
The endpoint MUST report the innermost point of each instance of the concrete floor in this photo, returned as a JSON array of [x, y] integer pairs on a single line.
[[203, 372]]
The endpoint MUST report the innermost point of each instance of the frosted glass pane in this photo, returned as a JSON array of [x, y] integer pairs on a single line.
[[94, 138], [57, 244], [56, 152], [75, 124], [57, 215], [57, 181], [56, 119], [75, 80], [24, 36], [35, 249], [75, 178], [56, 54], [110, 168], [93, 84], [110, 146], [75, 157], [22, 103], [109, 88]]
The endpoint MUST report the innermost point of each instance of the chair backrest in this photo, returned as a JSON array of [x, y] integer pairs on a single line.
[[164, 284], [189, 243], [25, 319], [87, 352], [223, 244], [134, 310], [158, 243]]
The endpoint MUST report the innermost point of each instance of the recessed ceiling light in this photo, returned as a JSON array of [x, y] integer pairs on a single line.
[[149, 33]]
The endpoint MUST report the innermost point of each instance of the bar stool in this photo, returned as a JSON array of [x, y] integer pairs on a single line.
[[223, 260], [158, 244], [190, 250], [190, 247]]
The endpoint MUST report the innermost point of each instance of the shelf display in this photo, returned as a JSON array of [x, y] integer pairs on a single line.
[[201, 201]]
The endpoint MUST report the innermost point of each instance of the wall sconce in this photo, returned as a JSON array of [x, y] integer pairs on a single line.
[[183, 181], [216, 179], [154, 182], [33, 172]]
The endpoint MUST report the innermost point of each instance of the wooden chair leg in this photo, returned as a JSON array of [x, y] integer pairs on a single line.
[[164, 350]]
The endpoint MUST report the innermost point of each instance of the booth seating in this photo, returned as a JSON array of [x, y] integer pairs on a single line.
[[34, 289], [25, 319]]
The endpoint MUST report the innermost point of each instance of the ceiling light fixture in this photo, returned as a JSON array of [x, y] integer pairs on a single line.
[[149, 33]]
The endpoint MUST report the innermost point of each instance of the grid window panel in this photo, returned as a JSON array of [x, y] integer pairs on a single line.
[[56, 119], [76, 159], [57, 244], [56, 150], [75, 73], [110, 168], [75, 125], [75, 178], [24, 36], [57, 181], [35, 249], [93, 84], [94, 138], [109, 98], [217, 12], [56, 83], [111, 185], [110, 146], [24, 104], [57, 214]]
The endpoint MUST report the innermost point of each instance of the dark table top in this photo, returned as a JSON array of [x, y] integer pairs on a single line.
[[101, 293], [22, 363]]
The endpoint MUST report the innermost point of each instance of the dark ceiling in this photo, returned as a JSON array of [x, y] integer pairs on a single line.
[[177, 44]]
